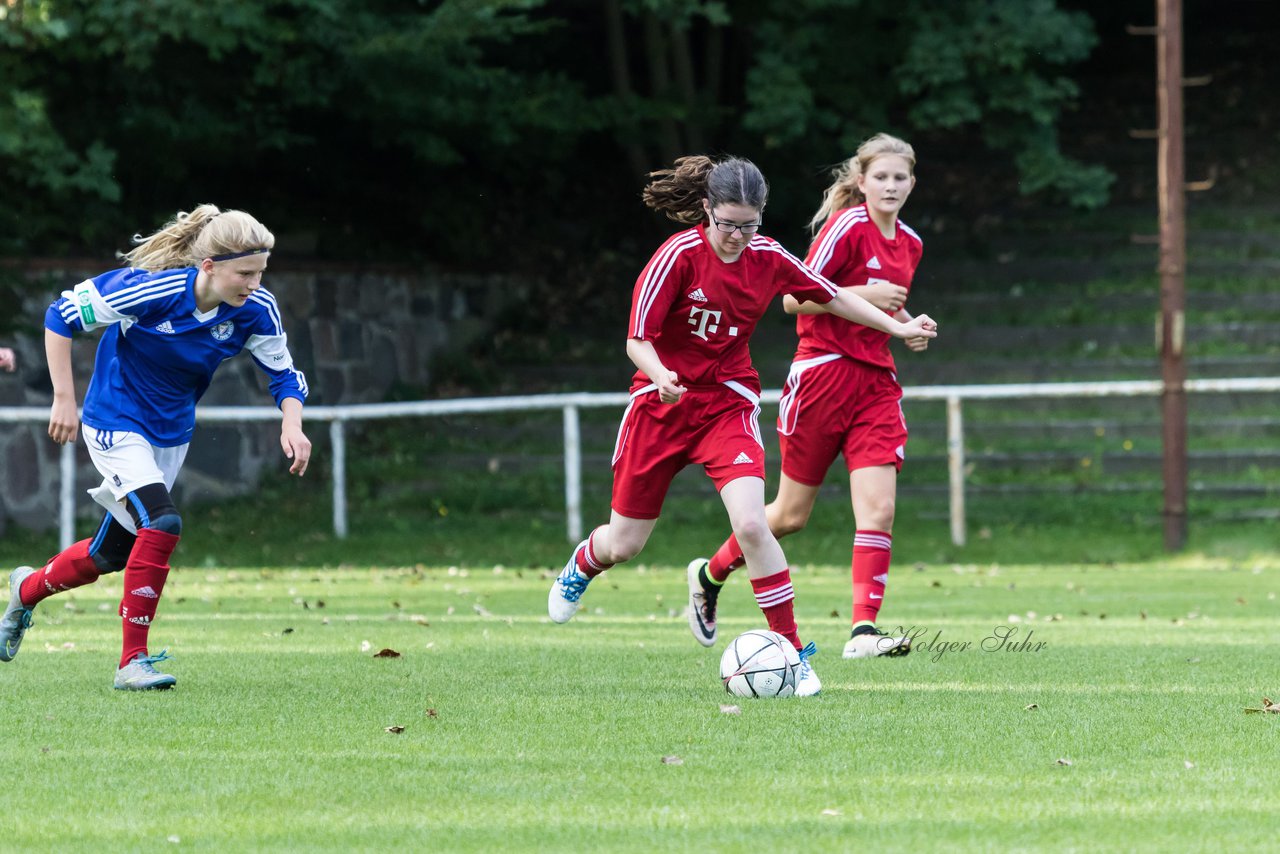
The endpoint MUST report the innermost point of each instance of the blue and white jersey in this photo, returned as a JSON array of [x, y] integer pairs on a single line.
[[158, 354]]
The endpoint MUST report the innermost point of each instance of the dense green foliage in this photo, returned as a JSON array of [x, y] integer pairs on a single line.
[[416, 129]]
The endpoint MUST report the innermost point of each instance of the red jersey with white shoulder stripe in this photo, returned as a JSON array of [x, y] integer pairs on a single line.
[[698, 310], [850, 250]]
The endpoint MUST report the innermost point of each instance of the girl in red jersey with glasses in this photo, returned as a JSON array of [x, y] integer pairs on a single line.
[[842, 394], [695, 395]]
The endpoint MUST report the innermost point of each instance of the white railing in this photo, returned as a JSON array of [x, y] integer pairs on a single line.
[[570, 404]]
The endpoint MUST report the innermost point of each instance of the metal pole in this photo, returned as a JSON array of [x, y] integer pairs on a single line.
[[572, 473], [338, 440], [1173, 263], [955, 468], [67, 496]]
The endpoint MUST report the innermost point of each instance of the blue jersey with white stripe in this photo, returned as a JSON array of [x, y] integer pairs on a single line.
[[159, 352]]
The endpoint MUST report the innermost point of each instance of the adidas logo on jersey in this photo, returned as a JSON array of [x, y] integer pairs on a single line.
[[698, 296], [145, 592], [874, 263], [165, 327], [742, 458]]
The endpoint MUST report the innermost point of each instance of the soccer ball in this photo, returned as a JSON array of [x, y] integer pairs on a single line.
[[760, 663]]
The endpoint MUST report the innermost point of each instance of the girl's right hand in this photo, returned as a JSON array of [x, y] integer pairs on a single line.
[[64, 421], [920, 326], [670, 391]]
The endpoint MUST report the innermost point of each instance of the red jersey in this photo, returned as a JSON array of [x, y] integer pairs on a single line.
[[850, 250], [698, 310]]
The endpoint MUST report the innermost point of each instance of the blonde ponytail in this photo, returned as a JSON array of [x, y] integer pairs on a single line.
[[190, 237]]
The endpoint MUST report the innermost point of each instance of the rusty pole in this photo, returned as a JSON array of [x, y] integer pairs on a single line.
[[1171, 326]]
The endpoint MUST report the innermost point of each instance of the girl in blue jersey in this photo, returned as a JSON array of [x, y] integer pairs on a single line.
[[190, 298]]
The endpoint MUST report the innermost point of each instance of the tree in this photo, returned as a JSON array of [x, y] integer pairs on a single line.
[[420, 129]]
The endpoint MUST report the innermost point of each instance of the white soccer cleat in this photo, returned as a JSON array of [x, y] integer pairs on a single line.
[[140, 674], [564, 599], [807, 682], [702, 608], [876, 643]]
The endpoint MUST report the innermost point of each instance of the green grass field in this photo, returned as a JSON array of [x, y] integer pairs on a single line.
[[523, 735]]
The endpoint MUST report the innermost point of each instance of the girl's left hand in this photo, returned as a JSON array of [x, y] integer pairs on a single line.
[[297, 447], [917, 344]]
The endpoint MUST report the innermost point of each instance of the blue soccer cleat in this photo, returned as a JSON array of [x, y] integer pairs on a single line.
[[17, 617]]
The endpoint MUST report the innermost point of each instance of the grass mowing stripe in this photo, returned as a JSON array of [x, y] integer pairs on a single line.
[[523, 735]]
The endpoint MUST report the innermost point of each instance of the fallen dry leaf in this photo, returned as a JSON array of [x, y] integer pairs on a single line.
[[1188, 764], [1032, 707], [726, 709], [432, 713], [395, 730], [386, 652], [672, 760], [1267, 706], [1064, 762]]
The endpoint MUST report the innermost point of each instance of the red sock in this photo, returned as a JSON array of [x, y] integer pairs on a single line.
[[776, 598], [66, 570], [144, 577], [726, 559], [871, 553], [588, 564]]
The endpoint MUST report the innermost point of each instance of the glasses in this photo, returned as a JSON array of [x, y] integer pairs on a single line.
[[730, 227]]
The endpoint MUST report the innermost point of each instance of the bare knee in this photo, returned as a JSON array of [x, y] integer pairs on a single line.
[[624, 547], [784, 521], [752, 532], [877, 513]]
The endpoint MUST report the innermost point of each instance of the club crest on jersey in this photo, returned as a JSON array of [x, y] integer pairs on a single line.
[[223, 330]]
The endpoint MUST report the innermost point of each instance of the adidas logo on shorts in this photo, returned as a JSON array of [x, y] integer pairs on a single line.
[[742, 458]]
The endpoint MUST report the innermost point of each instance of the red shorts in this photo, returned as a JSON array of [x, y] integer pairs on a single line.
[[715, 426], [833, 405]]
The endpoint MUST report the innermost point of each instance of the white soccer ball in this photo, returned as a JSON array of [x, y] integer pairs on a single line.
[[760, 663]]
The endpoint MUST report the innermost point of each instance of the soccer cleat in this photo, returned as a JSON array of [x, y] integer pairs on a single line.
[[570, 584], [874, 643], [140, 674], [702, 605], [17, 617], [807, 682]]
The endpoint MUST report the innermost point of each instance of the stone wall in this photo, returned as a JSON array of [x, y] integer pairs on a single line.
[[355, 334]]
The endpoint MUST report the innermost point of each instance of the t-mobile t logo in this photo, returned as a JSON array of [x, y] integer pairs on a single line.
[[703, 321]]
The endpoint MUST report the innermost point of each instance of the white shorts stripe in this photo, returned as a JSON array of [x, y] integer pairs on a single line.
[[789, 403]]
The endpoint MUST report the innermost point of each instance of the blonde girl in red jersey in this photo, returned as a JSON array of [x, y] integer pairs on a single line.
[[842, 394], [695, 395]]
